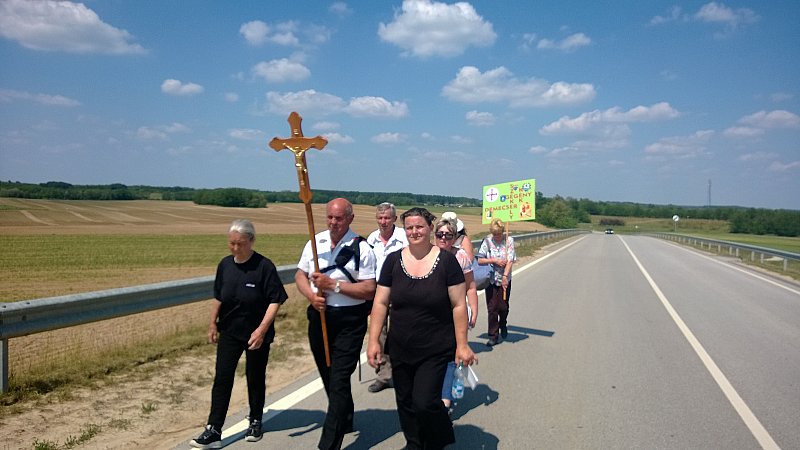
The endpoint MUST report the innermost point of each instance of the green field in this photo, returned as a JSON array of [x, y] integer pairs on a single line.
[[35, 266]]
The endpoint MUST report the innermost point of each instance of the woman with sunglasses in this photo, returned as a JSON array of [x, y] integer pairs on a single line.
[[425, 287], [446, 233]]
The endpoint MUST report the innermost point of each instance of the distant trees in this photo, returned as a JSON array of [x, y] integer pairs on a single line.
[[231, 197], [554, 212]]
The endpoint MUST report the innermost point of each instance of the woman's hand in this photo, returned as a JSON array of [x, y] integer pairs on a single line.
[[465, 355], [256, 339], [213, 333], [499, 262]]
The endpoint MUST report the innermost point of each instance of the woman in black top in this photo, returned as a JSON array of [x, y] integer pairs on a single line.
[[248, 293], [425, 287]]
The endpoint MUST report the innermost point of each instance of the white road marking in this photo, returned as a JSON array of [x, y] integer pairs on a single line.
[[752, 422], [731, 266]]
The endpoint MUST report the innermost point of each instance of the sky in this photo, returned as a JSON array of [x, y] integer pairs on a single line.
[[687, 103]]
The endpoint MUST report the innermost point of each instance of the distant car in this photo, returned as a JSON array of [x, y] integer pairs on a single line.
[[609, 231]]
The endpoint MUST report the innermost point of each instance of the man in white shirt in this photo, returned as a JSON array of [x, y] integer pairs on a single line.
[[344, 288], [386, 239]]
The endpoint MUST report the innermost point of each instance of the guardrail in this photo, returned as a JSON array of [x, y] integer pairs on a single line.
[[45, 314], [733, 248]]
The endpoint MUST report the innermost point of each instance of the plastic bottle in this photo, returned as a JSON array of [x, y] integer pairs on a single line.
[[459, 377]]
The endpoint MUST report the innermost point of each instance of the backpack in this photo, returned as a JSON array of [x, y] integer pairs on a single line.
[[345, 254]]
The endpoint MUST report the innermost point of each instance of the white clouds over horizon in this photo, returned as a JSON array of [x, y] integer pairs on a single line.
[[427, 28], [590, 122], [48, 25], [322, 103], [9, 95], [568, 44], [500, 85]]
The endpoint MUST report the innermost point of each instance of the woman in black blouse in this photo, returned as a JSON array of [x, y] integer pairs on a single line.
[[247, 295], [426, 289]]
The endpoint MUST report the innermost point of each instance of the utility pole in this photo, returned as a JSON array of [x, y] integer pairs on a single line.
[[709, 192]]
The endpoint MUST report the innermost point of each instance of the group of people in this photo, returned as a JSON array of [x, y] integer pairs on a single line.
[[416, 296]]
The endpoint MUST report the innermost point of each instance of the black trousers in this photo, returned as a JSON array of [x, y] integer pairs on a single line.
[[497, 309], [346, 329], [229, 350], [418, 389]]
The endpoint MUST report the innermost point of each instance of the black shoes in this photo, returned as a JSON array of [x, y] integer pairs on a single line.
[[503, 332], [254, 432], [210, 438], [492, 342], [378, 386]]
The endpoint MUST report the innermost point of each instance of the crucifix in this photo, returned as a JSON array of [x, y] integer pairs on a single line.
[[298, 144]]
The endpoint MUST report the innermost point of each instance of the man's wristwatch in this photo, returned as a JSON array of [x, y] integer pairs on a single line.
[[337, 288]]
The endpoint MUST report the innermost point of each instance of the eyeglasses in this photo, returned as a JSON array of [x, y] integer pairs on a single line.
[[447, 236]]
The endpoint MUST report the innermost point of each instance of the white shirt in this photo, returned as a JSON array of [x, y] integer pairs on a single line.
[[327, 256], [397, 241]]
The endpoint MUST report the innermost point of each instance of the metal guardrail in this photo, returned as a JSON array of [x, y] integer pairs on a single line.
[[45, 314], [734, 248]]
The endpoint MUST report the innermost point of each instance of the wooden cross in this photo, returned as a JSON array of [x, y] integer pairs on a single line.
[[298, 144]]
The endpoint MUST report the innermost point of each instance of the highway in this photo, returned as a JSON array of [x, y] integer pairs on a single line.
[[615, 342]]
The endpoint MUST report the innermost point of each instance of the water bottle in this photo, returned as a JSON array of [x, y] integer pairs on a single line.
[[459, 377]]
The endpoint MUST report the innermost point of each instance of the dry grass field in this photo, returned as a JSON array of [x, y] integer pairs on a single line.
[[164, 401]]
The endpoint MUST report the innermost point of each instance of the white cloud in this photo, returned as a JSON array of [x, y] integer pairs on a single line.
[[714, 12], [480, 119], [679, 147], [323, 104], [674, 14], [778, 97], [598, 122], [62, 26], [743, 132], [336, 138], [9, 95], [500, 85], [255, 32], [376, 107], [568, 44], [308, 100], [289, 34], [757, 156], [340, 9], [711, 13], [537, 149], [773, 119], [246, 134], [388, 138], [281, 70], [778, 166], [161, 132], [427, 28], [176, 87], [231, 97], [326, 126]]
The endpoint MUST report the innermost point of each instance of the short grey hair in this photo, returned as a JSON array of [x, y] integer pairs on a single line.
[[386, 206], [243, 226]]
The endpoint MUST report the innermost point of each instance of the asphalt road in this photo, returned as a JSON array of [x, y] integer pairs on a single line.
[[615, 342]]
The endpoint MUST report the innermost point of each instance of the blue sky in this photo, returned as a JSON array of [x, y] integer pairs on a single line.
[[617, 101]]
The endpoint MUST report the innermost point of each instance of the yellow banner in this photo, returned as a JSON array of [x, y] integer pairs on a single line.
[[510, 202]]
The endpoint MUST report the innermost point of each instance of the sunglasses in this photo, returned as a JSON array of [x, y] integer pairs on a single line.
[[448, 236]]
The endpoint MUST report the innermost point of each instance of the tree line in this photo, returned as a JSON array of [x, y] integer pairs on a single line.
[[556, 212]]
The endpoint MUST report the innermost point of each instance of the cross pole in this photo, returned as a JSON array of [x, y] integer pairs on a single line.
[[298, 144]]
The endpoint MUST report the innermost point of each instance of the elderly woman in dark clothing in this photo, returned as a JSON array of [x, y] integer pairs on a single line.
[[248, 293], [425, 287]]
